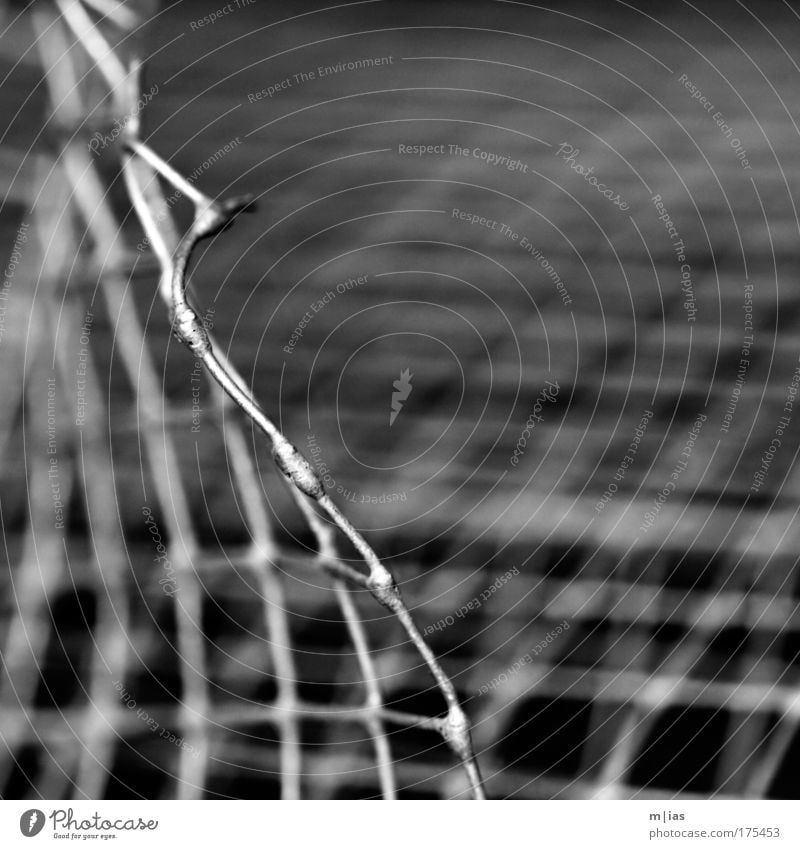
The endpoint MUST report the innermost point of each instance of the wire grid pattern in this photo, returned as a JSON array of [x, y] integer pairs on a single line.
[[676, 677]]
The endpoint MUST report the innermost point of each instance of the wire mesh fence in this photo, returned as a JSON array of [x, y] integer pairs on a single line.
[[601, 551]]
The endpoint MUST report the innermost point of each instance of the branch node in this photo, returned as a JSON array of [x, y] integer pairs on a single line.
[[383, 588], [191, 331], [455, 730], [297, 469], [216, 216]]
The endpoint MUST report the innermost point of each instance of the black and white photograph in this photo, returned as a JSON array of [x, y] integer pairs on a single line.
[[400, 401]]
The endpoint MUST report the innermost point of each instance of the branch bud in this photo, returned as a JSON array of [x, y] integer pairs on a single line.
[[190, 330], [297, 469], [455, 730], [383, 588], [217, 216]]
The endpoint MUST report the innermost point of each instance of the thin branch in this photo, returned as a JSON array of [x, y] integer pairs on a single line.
[[166, 170], [210, 218], [52, 723]]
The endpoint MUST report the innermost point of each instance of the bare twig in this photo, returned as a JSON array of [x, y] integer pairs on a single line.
[[54, 723], [210, 218]]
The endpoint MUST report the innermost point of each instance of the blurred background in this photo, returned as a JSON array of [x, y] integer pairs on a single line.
[[522, 284]]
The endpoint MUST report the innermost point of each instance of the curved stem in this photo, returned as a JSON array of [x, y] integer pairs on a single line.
[[210, 218]]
